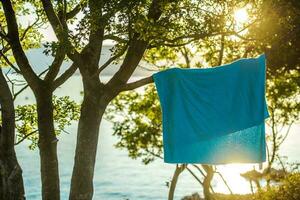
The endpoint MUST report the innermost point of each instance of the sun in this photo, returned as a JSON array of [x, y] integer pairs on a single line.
[[241, 16]]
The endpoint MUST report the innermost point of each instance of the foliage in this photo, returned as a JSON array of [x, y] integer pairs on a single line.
[[289, 189], [276, 33], [30, 36], [65, 111], [283, 97], [137, 123], [181, 22]]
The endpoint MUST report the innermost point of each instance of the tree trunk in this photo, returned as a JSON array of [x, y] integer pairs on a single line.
[[92, 110], [176, 174], [207, 180], [47, 145], [11, 180]]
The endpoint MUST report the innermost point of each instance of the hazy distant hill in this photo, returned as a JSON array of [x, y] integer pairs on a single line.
[[40, 62]]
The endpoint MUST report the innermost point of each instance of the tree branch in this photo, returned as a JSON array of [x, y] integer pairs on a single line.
[[3, 35], [28, 28], [198, 36], [67, 74], [9, 63], [115, 38], [56, 64], [221, 53], [15, 95], [286, 134], [14, 41], [225, 182], [199, 169], [136, 84], [76, 9], [26, 136], [110, 60], [60, 29], [52, 17], [135, 51], [94, 46], [194, 175]]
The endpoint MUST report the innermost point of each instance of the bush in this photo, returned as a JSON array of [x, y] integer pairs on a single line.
[[289, 189]]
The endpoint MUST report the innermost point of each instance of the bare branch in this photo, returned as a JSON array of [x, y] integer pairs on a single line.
[[26, 136], [225, 182], [56, 64], [199, 169], [286, 134], [9, 63], [154, 154], [10, 81], [4, 36], [15, 95], [29, 27], [52, 17], [136, 84], [115, 38], [67, 74], [194, 175], [110, 60], [20, 91]]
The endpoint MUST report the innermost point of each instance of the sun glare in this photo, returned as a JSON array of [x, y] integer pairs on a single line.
[[231, 173], [241, 15]]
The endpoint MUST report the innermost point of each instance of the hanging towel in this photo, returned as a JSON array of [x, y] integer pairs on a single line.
[[214, 115]]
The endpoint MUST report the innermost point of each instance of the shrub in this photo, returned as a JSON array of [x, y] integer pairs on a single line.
[[289, 189]]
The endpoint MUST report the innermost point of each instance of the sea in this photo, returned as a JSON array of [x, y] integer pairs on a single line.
[[117, 176]]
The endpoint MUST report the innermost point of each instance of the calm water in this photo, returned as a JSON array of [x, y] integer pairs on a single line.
[[119, 177]]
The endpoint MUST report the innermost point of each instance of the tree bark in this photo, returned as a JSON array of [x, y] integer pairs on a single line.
[[11, 180], [176, 174], [47, 145], [92, 110], [207, 180]]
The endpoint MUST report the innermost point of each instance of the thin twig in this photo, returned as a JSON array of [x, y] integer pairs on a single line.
[[225, 182], [9, 63], [26, 136], [22, 89], [197, 167], [194, 175]]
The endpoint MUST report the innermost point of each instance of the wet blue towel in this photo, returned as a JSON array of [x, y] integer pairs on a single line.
[[214, 115]]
